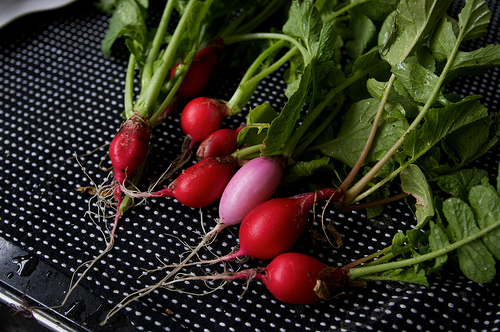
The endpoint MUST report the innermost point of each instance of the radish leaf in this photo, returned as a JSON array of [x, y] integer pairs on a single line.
[[485, 204], [459, 183], [443, 39], [438, 240], [473, 19], [440, 122], [363, 31], [283, 126], [475, 62], [414, 22], [413, 81], [413, 182], [475, 261], [128, 20], [356, 126]]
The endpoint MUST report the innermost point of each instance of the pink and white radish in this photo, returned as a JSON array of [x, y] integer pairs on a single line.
[[255, 182]]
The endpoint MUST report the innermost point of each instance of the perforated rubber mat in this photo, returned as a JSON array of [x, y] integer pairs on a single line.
[[60, 97]]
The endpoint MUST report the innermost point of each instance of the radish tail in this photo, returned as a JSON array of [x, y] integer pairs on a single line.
[[208, 237]]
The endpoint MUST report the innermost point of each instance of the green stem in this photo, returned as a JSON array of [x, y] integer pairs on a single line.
[[258, 62], [248, 85], [147, 100], [309, 119], [351, 265], [247, 151], [267, 35], [303, 146], [147, 71], [361, 184], [129, 87], [359, 272]]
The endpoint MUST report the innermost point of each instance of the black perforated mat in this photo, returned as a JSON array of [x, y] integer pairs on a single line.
[[59, 96]]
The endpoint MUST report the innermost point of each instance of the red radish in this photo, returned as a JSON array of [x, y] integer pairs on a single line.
[[292, 278], [272, 227], [200, 71], [201, 184], [129, 147], [221, 142], [201, 117], [127, 150], [255, 182]]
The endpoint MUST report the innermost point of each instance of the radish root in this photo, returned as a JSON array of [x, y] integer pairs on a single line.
[[206, 239]]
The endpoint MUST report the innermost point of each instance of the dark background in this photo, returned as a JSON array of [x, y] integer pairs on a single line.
[[59, 96]]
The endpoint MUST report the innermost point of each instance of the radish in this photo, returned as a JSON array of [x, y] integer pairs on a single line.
[[201, 184], [202, 116], [272, 227], [127, 150], [129, 147], [255, 182], [200, 71], [221, 142], [292, 278]]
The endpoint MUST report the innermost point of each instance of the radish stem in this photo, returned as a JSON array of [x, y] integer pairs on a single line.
[[129, 87], [267, 35], [249, 84], [146, 101], [360, 272], [334, 14], [156, 44]]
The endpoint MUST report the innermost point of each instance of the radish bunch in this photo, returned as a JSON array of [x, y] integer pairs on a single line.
[[365, 143], [173, 66]]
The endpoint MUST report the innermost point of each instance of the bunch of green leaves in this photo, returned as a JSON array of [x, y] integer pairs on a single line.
[[462, 218], [184, 27], [129, 21], [418, 121], [317, 81]]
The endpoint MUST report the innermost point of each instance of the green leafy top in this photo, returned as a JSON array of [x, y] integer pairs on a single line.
[[468, 226]]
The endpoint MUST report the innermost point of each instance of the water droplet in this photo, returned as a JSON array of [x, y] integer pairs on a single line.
[[25, 264]]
